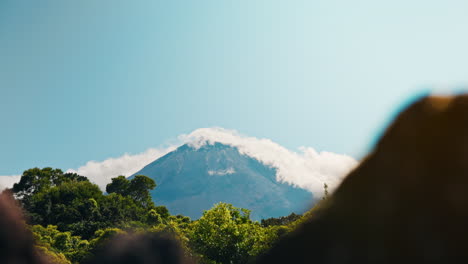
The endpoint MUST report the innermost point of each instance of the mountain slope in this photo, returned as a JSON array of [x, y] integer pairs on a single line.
[[191, 180]]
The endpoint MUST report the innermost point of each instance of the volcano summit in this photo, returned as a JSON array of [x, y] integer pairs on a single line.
[[191, 179]]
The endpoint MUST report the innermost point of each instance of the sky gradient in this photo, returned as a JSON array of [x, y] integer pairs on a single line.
[[88, 80]]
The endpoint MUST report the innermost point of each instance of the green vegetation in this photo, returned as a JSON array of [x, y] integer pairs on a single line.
[[283, 220], [70, 217]]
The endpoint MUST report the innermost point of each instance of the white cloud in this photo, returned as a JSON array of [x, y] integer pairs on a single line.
[[306, 168], [8, 181], [222, 172], [101, 172]]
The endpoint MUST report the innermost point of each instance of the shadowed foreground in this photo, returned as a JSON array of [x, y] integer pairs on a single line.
[[16, 242], [144, 249], [406, 202]]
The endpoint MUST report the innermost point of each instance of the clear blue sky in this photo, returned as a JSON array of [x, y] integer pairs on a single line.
[[88, 80]]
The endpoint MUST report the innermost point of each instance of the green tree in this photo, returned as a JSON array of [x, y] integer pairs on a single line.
[[225, 234], [153, 218], [61, 246], [162, 211], [52, 256], [116, 208], [283, 220], [102, 236], [82, 209], [35, 180], [118, 185], [72, 206], [63, 241], [137, 188]]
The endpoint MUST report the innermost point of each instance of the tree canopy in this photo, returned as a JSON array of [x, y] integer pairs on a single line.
[[70, 217], [137, 188], [35, 180]]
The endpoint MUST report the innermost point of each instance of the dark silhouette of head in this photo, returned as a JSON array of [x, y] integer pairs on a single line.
[[150, 248], [16, 241], [407, 202]]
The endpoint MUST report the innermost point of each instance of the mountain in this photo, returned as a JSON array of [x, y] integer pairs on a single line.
[[191, 180]]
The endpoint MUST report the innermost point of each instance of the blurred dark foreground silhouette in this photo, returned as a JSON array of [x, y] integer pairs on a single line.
[[407, 202], [141, 249], [16, 242]]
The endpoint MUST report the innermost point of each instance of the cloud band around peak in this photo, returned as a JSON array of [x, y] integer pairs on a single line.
[[306, 168]]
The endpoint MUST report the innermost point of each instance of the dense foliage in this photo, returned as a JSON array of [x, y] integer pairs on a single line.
[[70, 217]]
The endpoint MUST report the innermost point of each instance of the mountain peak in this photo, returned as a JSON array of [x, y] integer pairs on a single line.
[[193, 178]]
